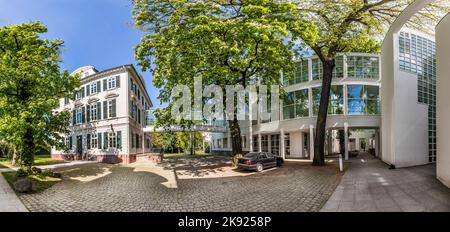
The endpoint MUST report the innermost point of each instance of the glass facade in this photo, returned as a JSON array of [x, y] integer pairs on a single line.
[[336, 104], [418, 55], [301, 73], [296, 104], [358, 67], [317, 69], [363, 67], [363, 99]]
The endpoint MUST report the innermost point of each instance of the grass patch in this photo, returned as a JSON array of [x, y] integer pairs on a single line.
[[4, 163], [40, 182], [39, 160]]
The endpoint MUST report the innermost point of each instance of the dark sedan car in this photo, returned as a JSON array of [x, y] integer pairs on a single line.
[[259, 161]]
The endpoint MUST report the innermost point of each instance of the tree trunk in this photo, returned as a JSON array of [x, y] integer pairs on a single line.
[[319, 140], [235, 132], [27, 156]]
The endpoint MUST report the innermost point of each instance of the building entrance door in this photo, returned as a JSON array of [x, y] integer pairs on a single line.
[[79, 145]]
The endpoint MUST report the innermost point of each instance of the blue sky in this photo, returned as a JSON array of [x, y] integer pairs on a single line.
[[96, 32]]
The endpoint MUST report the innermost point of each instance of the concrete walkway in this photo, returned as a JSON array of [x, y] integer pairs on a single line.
[[52, 166], [369, 185], [9, 202]]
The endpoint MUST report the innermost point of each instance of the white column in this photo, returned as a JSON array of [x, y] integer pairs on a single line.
[[282, 143], [311, 142], [250, 139], [143, 143], [346, 140], [259, 143]]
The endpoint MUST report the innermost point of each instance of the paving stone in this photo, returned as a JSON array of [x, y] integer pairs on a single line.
[[294, 187]]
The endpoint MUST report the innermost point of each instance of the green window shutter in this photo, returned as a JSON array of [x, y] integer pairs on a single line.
[[88, 113], [88, 90], [88, 141], [104, 84], [83, 114], [99, 140], [113, 114], [105, 140], [117, 81], [119, 140], [82, 92], [99, 110], [105, 110], [99, 88]]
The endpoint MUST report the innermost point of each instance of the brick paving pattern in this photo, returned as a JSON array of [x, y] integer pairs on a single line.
[[294, 187]]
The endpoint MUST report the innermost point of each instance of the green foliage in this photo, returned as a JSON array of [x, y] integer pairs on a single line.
[[177, 141], [31, 85], [224, 42]]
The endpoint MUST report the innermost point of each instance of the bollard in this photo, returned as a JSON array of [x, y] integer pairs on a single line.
[[341, 167]]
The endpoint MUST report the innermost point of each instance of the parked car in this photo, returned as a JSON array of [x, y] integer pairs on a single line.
[[259, 161]]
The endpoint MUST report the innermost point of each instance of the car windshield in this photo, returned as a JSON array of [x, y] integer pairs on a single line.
[[251, 155]]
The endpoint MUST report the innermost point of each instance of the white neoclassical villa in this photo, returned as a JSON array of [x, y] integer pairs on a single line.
[[108, 116]]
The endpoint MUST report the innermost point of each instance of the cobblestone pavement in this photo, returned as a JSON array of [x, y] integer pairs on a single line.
[[296, 186], [368, 185]]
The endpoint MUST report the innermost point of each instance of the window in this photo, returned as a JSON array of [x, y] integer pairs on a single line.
[[79, 95], [225, 142], [112, 142], [78, 116], [93, 113], [287, 145], [301, 73], [68, 142], [317, 68], [296, 104], [93, 88], [244, 141], [66, 101], [361, 67], [264, 143], [94, 141], [336, 102], [111, 83], [363, 99], [112, 108], [275, 144], [255, 143]]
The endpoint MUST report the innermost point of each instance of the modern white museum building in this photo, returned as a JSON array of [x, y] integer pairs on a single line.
[[394, 105]]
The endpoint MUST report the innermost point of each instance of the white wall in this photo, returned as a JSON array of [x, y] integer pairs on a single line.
[[443, 97], [411, 123]]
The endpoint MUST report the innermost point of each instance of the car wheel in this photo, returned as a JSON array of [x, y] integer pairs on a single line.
[[259, 167]]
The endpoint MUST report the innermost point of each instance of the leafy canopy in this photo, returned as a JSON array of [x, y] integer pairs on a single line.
[[31, 85], [225, 42]]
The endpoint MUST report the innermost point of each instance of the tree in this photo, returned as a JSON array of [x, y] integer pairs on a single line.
[[165, 141], [346, 26], [226, 42], [31, 85]]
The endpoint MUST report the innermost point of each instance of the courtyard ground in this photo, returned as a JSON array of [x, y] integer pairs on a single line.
[[369, 185], [187, 184]]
